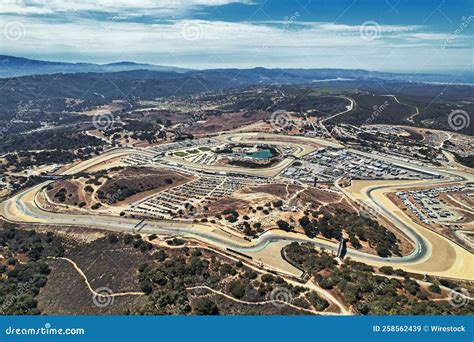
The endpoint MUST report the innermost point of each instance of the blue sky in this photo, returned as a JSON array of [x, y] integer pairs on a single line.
[[383, 35]]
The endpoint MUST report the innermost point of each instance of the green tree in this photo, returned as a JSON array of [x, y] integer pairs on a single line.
[[205, 307], [237, 289]]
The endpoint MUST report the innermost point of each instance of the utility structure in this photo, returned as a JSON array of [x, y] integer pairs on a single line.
[[139, 226], [315, 181], [341, 251]]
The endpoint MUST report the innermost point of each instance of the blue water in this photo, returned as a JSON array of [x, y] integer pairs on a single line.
[[262, 154]]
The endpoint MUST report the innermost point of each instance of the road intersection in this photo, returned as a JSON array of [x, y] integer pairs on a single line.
[[432, 254]]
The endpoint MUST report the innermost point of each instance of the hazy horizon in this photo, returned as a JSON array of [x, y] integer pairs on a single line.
[[440, 72], [210, 34]]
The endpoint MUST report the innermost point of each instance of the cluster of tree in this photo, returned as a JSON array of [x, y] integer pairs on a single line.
[[309, 258], [252, 164], [22, 182], [465, 160], [26, 159], [393, 111], [144, 130], [372, 294], [230, 215], [283, 225], [316, 301], [21, 282], [165, 284], [69, 139], [19, 289], [122, 189], [166, 280], [61, 195], [358, 228], [137, 242]]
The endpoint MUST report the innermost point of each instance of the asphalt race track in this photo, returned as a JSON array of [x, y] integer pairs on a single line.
[[432, 253]]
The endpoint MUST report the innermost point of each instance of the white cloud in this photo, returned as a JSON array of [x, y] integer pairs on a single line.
[[149, 7], [226, 44]]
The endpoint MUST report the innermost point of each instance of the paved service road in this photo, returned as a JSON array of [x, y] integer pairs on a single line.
[[433, 254]]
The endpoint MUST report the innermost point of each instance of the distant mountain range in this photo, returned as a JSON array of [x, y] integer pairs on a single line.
[[17, 66]]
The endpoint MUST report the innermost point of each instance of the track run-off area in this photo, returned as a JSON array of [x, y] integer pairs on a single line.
[[432, 253]]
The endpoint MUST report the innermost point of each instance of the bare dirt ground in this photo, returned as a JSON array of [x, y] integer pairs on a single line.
[[105, 265], [319, 199], [234, 203], [462, 203], [256, 206], [74, 189], [105, 109], [282, 191], [228, 121], [83, 192], [56, 298], [145, 181]]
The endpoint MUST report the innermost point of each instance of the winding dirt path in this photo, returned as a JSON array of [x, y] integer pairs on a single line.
[[278, 303], [86, 281]]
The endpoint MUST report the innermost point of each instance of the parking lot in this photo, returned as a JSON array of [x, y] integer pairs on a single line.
[[330, 164], [428, 206], [209, 187]]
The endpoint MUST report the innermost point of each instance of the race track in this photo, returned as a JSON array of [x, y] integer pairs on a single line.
[[434, 254]]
